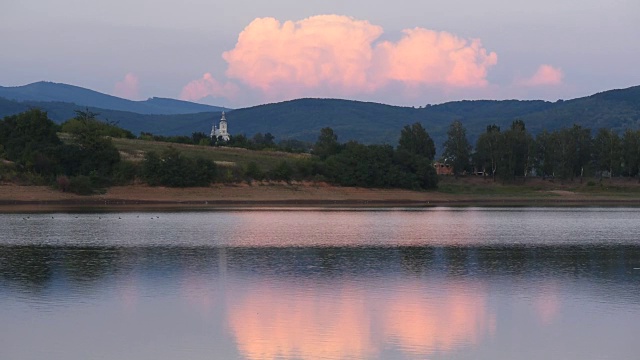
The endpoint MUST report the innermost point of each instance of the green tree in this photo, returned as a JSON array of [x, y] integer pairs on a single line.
[[172, 168], [253, 171], [488, 149], [203, 172], [282, 171], [261, 141], [631, 152], [545, 156], [565, 151], [84, 119], [151, 171], [415, 140], [294, 146], [607, 152], [584, 150], [91, 151], [200, 138], [240, 141], [457, 149], [517, 152], [379, 166], [426, 173], [30, 139], [327, 144]]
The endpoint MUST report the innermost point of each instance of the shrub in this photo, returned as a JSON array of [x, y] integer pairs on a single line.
[[81, 185], [283, 171], [7, 170], [174, 170], [63, 183], [253, 171], [124, 172]]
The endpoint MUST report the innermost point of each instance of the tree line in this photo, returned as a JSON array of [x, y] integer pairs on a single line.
[[32, 152], [88, 160], [567, 153], [258, 141]]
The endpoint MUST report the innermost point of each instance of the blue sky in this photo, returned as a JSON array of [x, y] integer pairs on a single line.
[[457, 49]]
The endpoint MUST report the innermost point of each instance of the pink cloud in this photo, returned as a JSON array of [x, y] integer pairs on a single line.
[[333, 55], [321, 51], [545, 76], [435, 58], [128, 88], [208, 86]]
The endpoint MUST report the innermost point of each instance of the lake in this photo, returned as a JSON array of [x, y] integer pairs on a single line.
[[439, 283]]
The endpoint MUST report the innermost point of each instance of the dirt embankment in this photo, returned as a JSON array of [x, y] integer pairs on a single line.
[[15, 198], [272, 194]]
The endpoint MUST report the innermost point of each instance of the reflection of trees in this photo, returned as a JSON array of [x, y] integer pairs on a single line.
[[33, 268], [29, 267], [88, 266], [417, 259], [457, 260], [508, 259], [328, 259]]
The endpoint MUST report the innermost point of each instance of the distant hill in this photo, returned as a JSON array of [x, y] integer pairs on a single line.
[[181, 124], [377, 123], [371, 122], [54, 92]]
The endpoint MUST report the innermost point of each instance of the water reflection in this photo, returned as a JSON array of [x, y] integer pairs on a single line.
[[423, 323], [307, 320], [313, 228], [462, 284], [547, 302], [335, 303]]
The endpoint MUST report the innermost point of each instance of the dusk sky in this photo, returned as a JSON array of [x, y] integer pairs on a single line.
[[241, 53]]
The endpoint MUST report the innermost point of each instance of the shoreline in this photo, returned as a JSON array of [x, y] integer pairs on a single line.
[[134, 198]]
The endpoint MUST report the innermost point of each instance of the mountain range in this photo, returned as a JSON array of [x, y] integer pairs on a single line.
[[54, 92], [302, 119]]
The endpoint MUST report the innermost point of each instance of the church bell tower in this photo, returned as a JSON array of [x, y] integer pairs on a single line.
[[221, 131]]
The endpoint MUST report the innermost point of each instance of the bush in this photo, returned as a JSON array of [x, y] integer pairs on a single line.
[[174, 170], [7, 170], [124, 173], [283, 171], [31, 178], [203, 172], [63, 183], [253, 171], [81, 185]]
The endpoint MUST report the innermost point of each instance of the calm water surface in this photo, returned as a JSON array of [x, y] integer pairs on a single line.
[[322, 284]]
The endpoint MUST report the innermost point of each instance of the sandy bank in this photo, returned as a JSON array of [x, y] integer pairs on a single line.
[[14, 198]]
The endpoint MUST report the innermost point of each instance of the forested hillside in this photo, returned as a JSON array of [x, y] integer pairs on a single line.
[[371, 123], [54, 92]]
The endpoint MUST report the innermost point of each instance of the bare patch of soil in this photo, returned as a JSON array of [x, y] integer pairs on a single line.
[[15, 198]]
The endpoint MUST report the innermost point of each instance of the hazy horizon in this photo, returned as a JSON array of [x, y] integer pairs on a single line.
[[311, 97]]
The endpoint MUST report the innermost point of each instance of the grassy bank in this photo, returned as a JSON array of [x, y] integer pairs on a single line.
[[537, 187], [463, 191], [134, 150]]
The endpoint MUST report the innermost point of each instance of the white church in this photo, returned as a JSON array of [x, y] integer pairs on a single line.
[[220, 132]]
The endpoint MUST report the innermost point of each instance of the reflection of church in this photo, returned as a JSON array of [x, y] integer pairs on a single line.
[[221, 131]]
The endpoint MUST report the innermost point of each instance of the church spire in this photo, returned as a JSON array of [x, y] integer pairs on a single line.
[[221, 130]]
